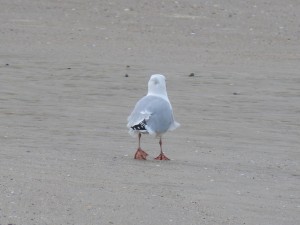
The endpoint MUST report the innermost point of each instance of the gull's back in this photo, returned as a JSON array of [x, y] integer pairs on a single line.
[[157, 113]]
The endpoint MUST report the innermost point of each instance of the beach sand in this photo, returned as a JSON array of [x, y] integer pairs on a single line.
[[66, 156]]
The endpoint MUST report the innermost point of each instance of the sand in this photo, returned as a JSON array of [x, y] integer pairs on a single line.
[[65, 154]]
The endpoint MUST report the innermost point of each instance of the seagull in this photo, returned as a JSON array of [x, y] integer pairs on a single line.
[[152, 115]]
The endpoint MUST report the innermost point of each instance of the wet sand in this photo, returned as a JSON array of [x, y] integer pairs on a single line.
[[66, 156]]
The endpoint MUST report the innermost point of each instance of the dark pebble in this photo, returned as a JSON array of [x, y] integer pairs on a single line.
[[126, 75], [127, 66], [6, 64], [192, 75]]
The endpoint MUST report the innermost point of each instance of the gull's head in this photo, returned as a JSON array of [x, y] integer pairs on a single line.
[[157, 85]]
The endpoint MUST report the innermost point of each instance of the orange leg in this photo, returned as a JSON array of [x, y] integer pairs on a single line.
[[161, 156], [140, 154]]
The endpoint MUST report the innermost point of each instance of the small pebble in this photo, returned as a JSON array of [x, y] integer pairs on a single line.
[[127, 66], [6, 64], [126, 75], [192, 75]]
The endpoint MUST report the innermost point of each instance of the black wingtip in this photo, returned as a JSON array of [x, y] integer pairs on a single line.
[[140, 126]]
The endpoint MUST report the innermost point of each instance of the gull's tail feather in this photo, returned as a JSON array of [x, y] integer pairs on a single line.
[[174, 126]]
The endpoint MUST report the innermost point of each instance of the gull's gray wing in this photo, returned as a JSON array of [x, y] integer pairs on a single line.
[[155, 112]]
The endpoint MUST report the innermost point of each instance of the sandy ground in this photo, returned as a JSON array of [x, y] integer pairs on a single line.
[[65, 154]]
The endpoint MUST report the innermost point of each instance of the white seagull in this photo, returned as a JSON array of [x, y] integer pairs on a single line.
[[153, 115]]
